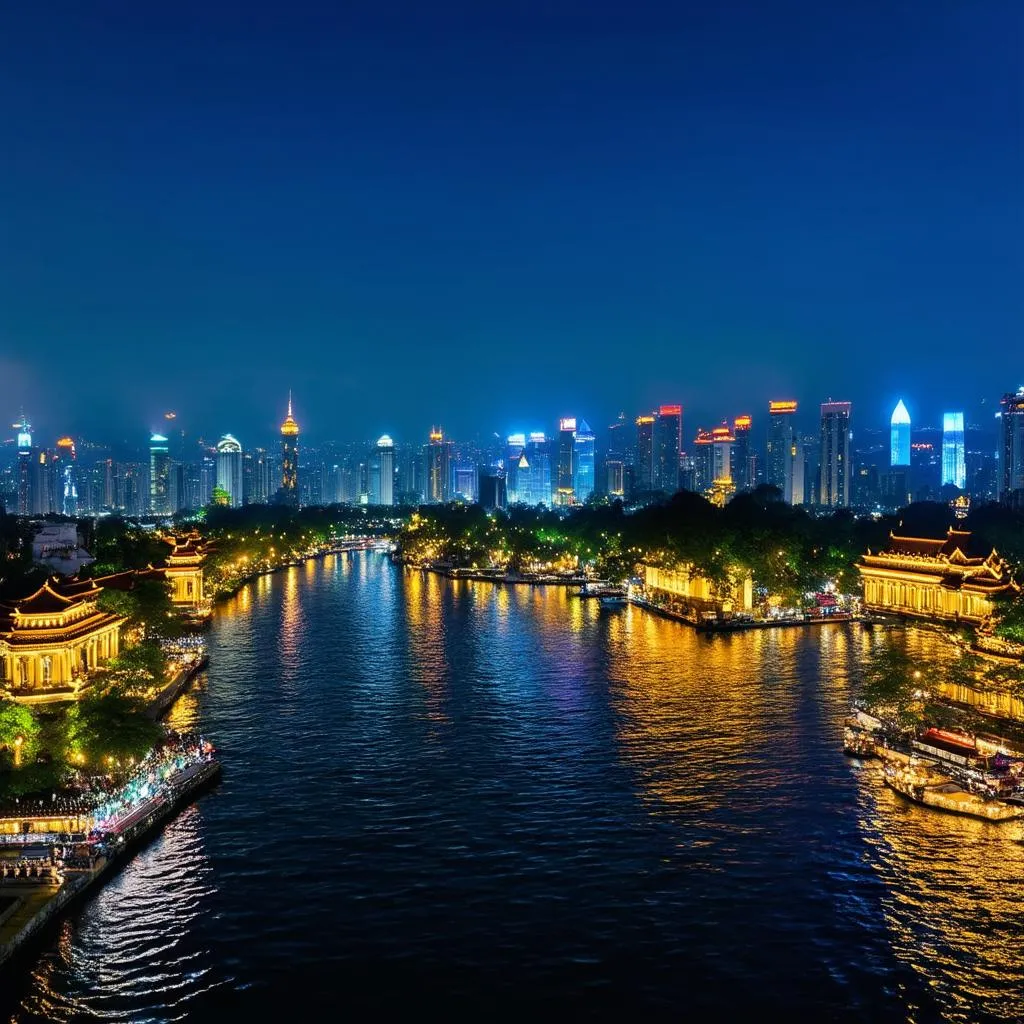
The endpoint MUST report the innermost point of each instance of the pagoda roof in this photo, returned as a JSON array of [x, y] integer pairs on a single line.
[[44, 601], [957, 545]]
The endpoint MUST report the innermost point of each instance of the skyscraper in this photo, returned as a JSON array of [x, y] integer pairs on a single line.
[[159, 476], [644, 465], [230, 470], [744, 475], [1011, 449], [289, 494], [703, 461], [779, 459], [564, 490], [834, 486], [67, 486], [533, 471], [438, 459], [667, 444], [583, 462], [899, 436], [386, 472], [953, 466], [24, 466], [513, 452]]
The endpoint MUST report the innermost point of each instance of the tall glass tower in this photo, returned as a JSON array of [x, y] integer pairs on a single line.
[[564, 490], [899, 436], [24, 467], [229, 470], [1011, 449], [834, 490], [583, 480], [667, 443], [385, 493], [953, 467], [781, 452], [159, 476], [290, 458]]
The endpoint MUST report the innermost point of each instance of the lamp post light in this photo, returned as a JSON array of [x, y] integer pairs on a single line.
[[19, 742]]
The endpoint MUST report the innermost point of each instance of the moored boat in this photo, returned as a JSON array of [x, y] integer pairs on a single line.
[[923, 785]]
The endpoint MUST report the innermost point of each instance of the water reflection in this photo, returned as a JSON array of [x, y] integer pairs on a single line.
[[561, 799]]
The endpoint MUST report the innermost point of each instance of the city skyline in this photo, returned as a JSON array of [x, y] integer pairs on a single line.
[[605, 192]]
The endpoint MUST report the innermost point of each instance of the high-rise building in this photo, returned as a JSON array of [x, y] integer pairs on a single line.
[[386, 471], [564, 490], [954, 469], [744, 466], [1011, 449], [159, 476], [289, 493], [615, 484], [834, 480], [644, 463], [779, 457], [703, 461], [667, 438], [24, 441], [533, 471], [438, 460], [230, 470], [514, 446], [722, 441], [583, 462], [899, 436], [68, 483]]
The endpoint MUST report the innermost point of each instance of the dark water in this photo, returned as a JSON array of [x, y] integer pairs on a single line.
[[459, 798]]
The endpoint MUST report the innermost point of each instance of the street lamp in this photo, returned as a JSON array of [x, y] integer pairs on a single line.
[[19, 742]]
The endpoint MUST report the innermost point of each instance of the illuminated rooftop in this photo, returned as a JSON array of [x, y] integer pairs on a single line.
[[900, 416], [290, 428]]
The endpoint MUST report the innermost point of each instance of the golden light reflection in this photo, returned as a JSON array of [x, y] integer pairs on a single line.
[[427, 661]]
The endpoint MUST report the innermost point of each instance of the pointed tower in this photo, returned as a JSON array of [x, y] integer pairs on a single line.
[[899, 448], [290, 459]]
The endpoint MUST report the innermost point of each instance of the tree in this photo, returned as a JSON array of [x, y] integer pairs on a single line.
[[19, 732], [110, 725], [139, 668]]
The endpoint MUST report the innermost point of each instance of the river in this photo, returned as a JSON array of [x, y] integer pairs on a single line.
[[479, 799]]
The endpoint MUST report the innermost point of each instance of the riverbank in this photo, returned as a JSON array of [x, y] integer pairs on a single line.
[[39, 905]]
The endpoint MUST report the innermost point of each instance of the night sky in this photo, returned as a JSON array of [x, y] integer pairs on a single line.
[[417, 213]]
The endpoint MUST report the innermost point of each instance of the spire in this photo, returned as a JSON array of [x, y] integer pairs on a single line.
[[289, 401], [900, 416]]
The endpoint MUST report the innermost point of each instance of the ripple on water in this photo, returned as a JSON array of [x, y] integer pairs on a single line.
[[499, 798]]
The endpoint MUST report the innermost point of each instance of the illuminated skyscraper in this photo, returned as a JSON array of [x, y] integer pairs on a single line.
[[667, 444], [533, 471], [703, 461], [159, 476], [834, 486], [513, 452], [899, 436], [953, 467], [644, 465], [1011, 449], [744, 474], [779, 454], [385, 487], [289, 494], [230, 470], [24, 466], [438, 459], [564, 490], [68, 483], [583, 462]]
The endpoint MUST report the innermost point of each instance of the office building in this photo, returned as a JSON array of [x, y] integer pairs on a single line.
[[744, 461], [780, 451], [1011, 449], [667, 434], [834, 468], [564, 489], [24, 469], [67, 467], [644, 462], [899, 436], [159, 476], [533, 471], [437, 457], [385, 471], [583, 462], [229, 470], [954, 469]]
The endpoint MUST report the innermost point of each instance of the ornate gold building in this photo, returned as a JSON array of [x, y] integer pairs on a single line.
[[51, 640], [184, 571], [934, 578], [688, 592]]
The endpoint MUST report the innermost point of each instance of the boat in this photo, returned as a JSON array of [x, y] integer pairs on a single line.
[[861, 734], [612, 600], [922, 784], [601, 588]]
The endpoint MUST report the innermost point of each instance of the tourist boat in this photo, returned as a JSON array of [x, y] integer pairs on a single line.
[[861, 734], [601, 588], [612, 600], [923, 785]]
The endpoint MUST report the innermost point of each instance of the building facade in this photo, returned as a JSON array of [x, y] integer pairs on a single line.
[[289, 493], [667, 444], [779, 451], [954, 467], [643, 464], [583, 462], [230, 470], [565, 489], [684, 591], [943, 578], [1011, 449], [899, 436], [834, 479], [159, 476]]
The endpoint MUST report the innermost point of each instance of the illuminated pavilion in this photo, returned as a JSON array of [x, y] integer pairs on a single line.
[[53, 639], [934, 578], [184, 571]]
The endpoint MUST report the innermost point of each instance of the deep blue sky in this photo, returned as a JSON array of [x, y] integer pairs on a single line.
[[489, 214]]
